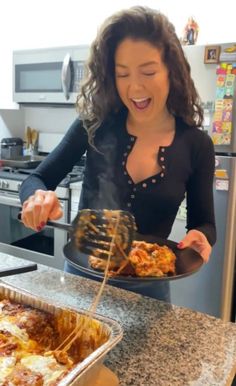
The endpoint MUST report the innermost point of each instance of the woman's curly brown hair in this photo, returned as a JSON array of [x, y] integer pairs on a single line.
[[98, 98]]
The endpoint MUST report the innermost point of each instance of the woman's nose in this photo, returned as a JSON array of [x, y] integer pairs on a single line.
[[135, 84]]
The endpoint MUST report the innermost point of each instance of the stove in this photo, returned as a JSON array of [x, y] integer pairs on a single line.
[[45, 247], [14, 171], [12, 177]]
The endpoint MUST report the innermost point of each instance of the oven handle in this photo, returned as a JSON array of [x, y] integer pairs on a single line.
[[15, 201], [9, 200]]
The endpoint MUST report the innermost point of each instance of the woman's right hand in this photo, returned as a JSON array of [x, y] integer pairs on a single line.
[[40, 207]]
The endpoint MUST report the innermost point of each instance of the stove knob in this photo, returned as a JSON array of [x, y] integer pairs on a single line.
[[5, 184]]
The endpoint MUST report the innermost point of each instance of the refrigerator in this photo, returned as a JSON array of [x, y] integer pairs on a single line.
[[212, 289]]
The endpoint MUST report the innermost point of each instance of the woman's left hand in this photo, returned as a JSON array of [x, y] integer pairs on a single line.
[[197, 241]]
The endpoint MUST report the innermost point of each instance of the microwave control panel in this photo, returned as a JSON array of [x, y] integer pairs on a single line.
[[77, 74]]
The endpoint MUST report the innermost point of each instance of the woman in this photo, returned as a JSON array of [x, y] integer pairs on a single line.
[[139, 123]]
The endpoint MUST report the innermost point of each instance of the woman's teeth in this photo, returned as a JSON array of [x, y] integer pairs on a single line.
[[141, 103]]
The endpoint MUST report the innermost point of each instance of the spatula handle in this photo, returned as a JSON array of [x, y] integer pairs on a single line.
[[60, 225], [64, 226]]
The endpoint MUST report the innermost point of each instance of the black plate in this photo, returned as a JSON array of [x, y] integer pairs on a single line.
[[188, 262]]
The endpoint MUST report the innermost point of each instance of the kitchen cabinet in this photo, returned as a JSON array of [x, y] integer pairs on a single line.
[[6, 101]]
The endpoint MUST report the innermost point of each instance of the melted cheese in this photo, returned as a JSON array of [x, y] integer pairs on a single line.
[[6, 366], [47, 366], [7, 325], [66, 344]]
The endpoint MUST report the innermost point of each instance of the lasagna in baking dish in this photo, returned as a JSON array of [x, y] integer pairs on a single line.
[[38, 348], [145, 259]]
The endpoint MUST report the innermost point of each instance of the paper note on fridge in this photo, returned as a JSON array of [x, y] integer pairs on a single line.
[[222, 184], [221, 173]]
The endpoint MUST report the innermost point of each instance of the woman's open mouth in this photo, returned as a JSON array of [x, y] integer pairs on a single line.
[[141, 103]]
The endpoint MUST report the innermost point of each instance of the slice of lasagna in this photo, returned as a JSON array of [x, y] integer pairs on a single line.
[[145, 259]]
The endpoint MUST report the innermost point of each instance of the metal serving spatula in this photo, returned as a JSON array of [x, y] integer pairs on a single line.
[[101, 233], [104, 232]]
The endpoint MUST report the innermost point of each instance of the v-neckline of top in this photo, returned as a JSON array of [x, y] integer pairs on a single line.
[[160, 156]]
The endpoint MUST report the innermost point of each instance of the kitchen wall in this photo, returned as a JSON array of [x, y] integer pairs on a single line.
[[50, 23], [53, 120], [47, 23], [12, 123]]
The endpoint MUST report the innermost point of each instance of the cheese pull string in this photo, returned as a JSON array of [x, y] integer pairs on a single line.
[[69, 340], [95, 302]]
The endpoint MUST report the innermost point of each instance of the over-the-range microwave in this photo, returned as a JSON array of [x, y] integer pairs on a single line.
[[48, 75]]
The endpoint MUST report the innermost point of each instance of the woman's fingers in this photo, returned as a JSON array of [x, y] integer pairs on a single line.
[[28, 213], [51, 204], [36, 206], [39, 208], [56, 212], [197, 241]]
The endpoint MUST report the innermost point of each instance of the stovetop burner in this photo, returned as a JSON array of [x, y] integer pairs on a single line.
[[18, 174], [13, 169], [9, 169]]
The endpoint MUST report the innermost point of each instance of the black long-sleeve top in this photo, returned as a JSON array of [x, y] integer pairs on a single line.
[[187, 168]]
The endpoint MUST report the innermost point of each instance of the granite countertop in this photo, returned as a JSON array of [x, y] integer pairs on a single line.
[[162, 344]]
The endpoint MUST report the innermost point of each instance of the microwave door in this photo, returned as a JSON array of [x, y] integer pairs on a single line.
[[66, 76], [38, 82], [48, 76]]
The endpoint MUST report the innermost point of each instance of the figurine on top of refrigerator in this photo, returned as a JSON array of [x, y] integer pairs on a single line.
[[190, 33]]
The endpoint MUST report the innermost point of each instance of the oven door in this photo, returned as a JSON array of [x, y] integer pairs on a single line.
[[45, 247]]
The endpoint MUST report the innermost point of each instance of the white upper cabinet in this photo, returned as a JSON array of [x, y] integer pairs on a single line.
[[6, 100]]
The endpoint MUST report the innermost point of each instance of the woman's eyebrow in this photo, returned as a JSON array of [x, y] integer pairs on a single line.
[[149, 63], [140, 65], [120, 65]]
